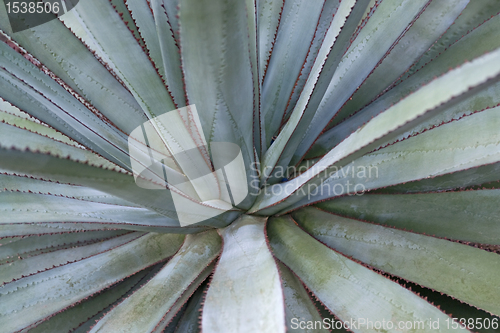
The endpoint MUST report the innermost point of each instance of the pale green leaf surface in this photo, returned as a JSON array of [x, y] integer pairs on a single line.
[[172, 11], [487, 98], [189, 322], [11, 115], [42, 262], [298, 305], [369, 10], [348, 32], [118, 184], [30, 299], [218, 69], [479, 177], [328, 14], [458, 270], [17, 248], [341, 283], [289, 54], [123, 9], [478, 42], [169, 50], [245, 293], [32, 91], [145, 22], [380, 33], [469, 143], [79, 318], [91, 21], [456, 308], [173, 316], [18, 207], [175, 320], [17, 138], [143, 310], [225, 96], [8, 109], [268, 18], [37, 93], [321, 72], [327, 315], [253, 45], [414, 109], [471, 216], [428, 27], [471, 17], [30, 229], [43, 228], [22, 183], [72, 62]]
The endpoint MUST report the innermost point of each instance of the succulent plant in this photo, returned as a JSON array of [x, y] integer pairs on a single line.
[[369, 142]]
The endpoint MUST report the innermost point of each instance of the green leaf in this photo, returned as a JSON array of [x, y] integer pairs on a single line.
[[298, 305], [245, 293], [252, 22], [74, 64], [458, 270], [171, 318], [170, 328], [172, 11], [454, 151], [17, 138], [377, 37], [169, 50], [341, 283], [45, 261], [11, 115], [30, 229], [31, 90], [92, 21], [18, 207], [297, 27], [29, 300], [123, 9], [328, 14], [145, 309], [268, 18], [23, 183], [326, 314], [225, 96], [142, 16], [421, 34], [80, 317], [485, 99], [349, 31], [475, 44], [118, 184], [18, 248], [333, 46], [475, 14], [480, 177], [381, 130], [455, 308], [468, 216], [190, 320]]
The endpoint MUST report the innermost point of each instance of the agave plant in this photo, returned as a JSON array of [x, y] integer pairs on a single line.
[[369, 142]]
